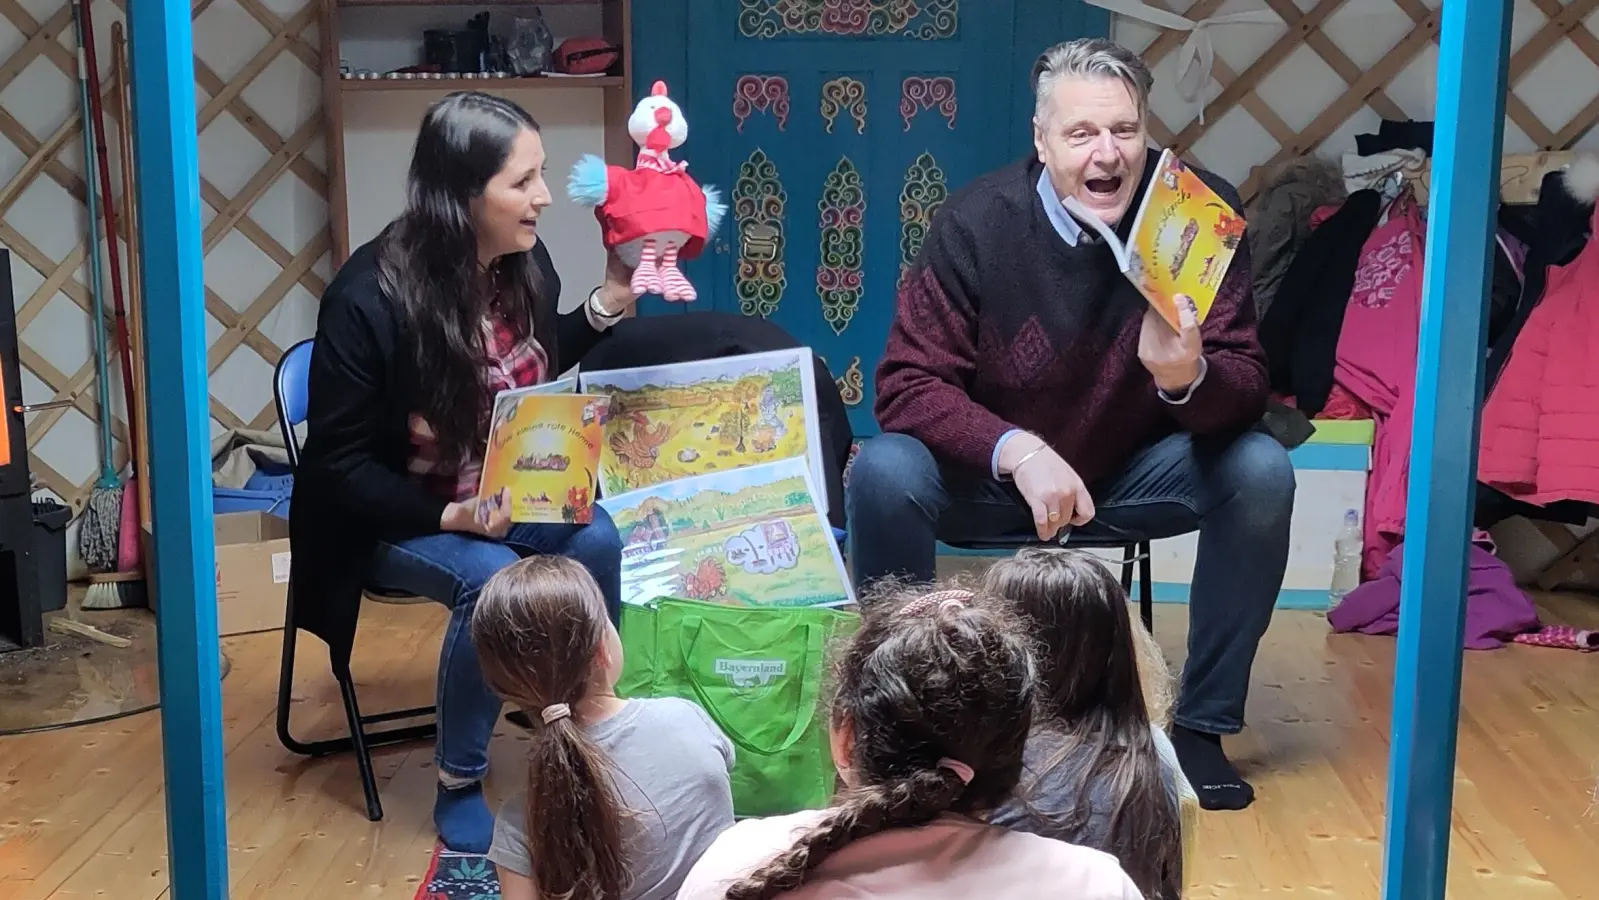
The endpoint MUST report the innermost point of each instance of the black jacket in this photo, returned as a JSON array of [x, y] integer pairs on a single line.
[[351, 487], [1299, 331]]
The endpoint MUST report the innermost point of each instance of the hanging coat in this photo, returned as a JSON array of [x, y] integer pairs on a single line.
[[1540, 427], [1377, 363]]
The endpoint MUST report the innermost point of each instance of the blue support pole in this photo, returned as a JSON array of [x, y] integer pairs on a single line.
[[1472, 60], [168, 184]]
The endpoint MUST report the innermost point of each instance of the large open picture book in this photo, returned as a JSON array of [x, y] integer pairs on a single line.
[[711, 471]]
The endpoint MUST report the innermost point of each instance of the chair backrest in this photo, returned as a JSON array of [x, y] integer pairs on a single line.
[[290, 394]]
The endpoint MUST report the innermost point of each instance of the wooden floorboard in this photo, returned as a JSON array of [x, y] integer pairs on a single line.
[[81, 810]]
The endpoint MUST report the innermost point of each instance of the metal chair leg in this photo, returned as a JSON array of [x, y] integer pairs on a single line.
[[1146, 587], [1128, 558], [286, 689], [359, 739], [363, 756]]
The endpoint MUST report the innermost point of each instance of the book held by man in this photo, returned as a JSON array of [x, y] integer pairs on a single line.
[[544, 454], [1182, 240]]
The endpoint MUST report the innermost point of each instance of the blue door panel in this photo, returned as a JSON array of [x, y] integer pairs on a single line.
[[835, 149]]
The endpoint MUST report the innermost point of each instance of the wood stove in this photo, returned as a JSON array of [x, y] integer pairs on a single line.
[[21, 621]]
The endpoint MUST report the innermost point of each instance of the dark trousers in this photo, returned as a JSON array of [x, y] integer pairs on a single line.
[[1237, 492]]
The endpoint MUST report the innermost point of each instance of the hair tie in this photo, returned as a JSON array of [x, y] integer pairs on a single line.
[[555, 712], [961, 770], [939, 600]]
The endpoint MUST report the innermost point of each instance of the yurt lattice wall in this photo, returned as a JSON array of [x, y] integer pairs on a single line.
[[264, 212], [1326, 70]]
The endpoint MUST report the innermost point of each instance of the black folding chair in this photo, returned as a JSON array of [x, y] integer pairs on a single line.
[[289, 394]]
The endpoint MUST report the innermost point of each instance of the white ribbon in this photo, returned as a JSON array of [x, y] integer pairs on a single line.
[[1197, 55]]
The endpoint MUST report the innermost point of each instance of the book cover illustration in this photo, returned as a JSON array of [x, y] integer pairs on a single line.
[[544, 451], [1182, 239], [692, 418], [744, 537]]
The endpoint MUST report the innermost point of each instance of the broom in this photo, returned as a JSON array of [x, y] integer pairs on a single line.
[[127, 586], [102, 515]]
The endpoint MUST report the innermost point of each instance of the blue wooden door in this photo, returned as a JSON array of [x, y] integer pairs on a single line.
[[835, 129]]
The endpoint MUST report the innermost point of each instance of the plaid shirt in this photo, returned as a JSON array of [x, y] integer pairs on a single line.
[[511, 365]]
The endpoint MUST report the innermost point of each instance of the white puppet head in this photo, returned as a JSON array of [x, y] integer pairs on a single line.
[[657, 123]]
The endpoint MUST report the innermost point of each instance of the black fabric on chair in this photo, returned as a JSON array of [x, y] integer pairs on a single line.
[[1134, 550], [288, 394]]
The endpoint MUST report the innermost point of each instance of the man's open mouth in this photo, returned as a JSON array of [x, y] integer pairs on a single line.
[[1104, 188]]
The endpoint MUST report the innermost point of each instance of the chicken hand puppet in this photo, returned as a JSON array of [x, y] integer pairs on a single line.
[[653, 215]]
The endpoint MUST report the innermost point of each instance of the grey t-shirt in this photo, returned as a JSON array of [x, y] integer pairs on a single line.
[[1054, 793], [671, 771]]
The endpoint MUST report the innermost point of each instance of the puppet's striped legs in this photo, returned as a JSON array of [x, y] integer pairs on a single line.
[[647, 278], [674, 285]]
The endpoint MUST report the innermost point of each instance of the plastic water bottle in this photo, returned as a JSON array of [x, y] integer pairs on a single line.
[[1346, 558]]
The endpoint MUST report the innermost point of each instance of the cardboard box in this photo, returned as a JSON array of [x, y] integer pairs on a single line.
[[252, 571]]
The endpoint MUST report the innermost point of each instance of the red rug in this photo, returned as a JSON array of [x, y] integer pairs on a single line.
[[458, 876]]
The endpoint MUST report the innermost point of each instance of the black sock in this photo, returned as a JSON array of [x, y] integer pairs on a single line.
[[1214, 779]]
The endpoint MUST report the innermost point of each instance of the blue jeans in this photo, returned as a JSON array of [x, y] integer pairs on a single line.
[[1236, 491], [452, 568]]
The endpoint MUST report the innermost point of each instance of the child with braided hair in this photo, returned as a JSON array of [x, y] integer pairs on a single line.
[[929, 717]]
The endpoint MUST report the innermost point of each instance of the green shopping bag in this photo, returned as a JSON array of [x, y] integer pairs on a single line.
[[637, 628], [757, 672]]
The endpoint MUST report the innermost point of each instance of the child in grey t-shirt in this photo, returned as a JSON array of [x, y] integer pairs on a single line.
[[671, 768], [622, 796], [1095, 773]]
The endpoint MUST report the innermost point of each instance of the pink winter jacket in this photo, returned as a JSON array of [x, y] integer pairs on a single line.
[[1377, 363], [1540, 427]]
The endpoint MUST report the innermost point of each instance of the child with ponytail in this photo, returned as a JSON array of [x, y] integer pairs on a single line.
[[928, 720], [1100, 773], [622, 796]]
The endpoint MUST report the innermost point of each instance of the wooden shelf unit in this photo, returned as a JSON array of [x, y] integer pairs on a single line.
[[446, 4], [615, 27], [478, 84]]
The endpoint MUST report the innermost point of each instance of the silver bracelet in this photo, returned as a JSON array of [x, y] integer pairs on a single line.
[[1027, 456]]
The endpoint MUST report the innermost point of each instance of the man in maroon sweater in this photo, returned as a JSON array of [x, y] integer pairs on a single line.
[[1027, 387]]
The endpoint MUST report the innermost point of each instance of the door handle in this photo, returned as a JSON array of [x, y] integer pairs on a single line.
[[49, 404]]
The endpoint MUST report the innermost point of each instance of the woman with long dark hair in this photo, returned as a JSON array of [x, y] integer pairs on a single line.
[[1096, 774], [454, 301]]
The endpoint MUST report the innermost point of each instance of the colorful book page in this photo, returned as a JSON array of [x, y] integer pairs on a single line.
[[1183, 240], [543, 453], [692, 418], [745, 537]]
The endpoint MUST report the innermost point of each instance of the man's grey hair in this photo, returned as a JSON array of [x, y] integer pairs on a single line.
[[1089, 58]]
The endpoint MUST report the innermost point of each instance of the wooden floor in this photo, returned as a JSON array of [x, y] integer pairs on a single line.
[[81, 810]]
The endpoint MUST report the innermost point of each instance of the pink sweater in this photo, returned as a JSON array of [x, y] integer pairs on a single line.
[[947, 858]]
